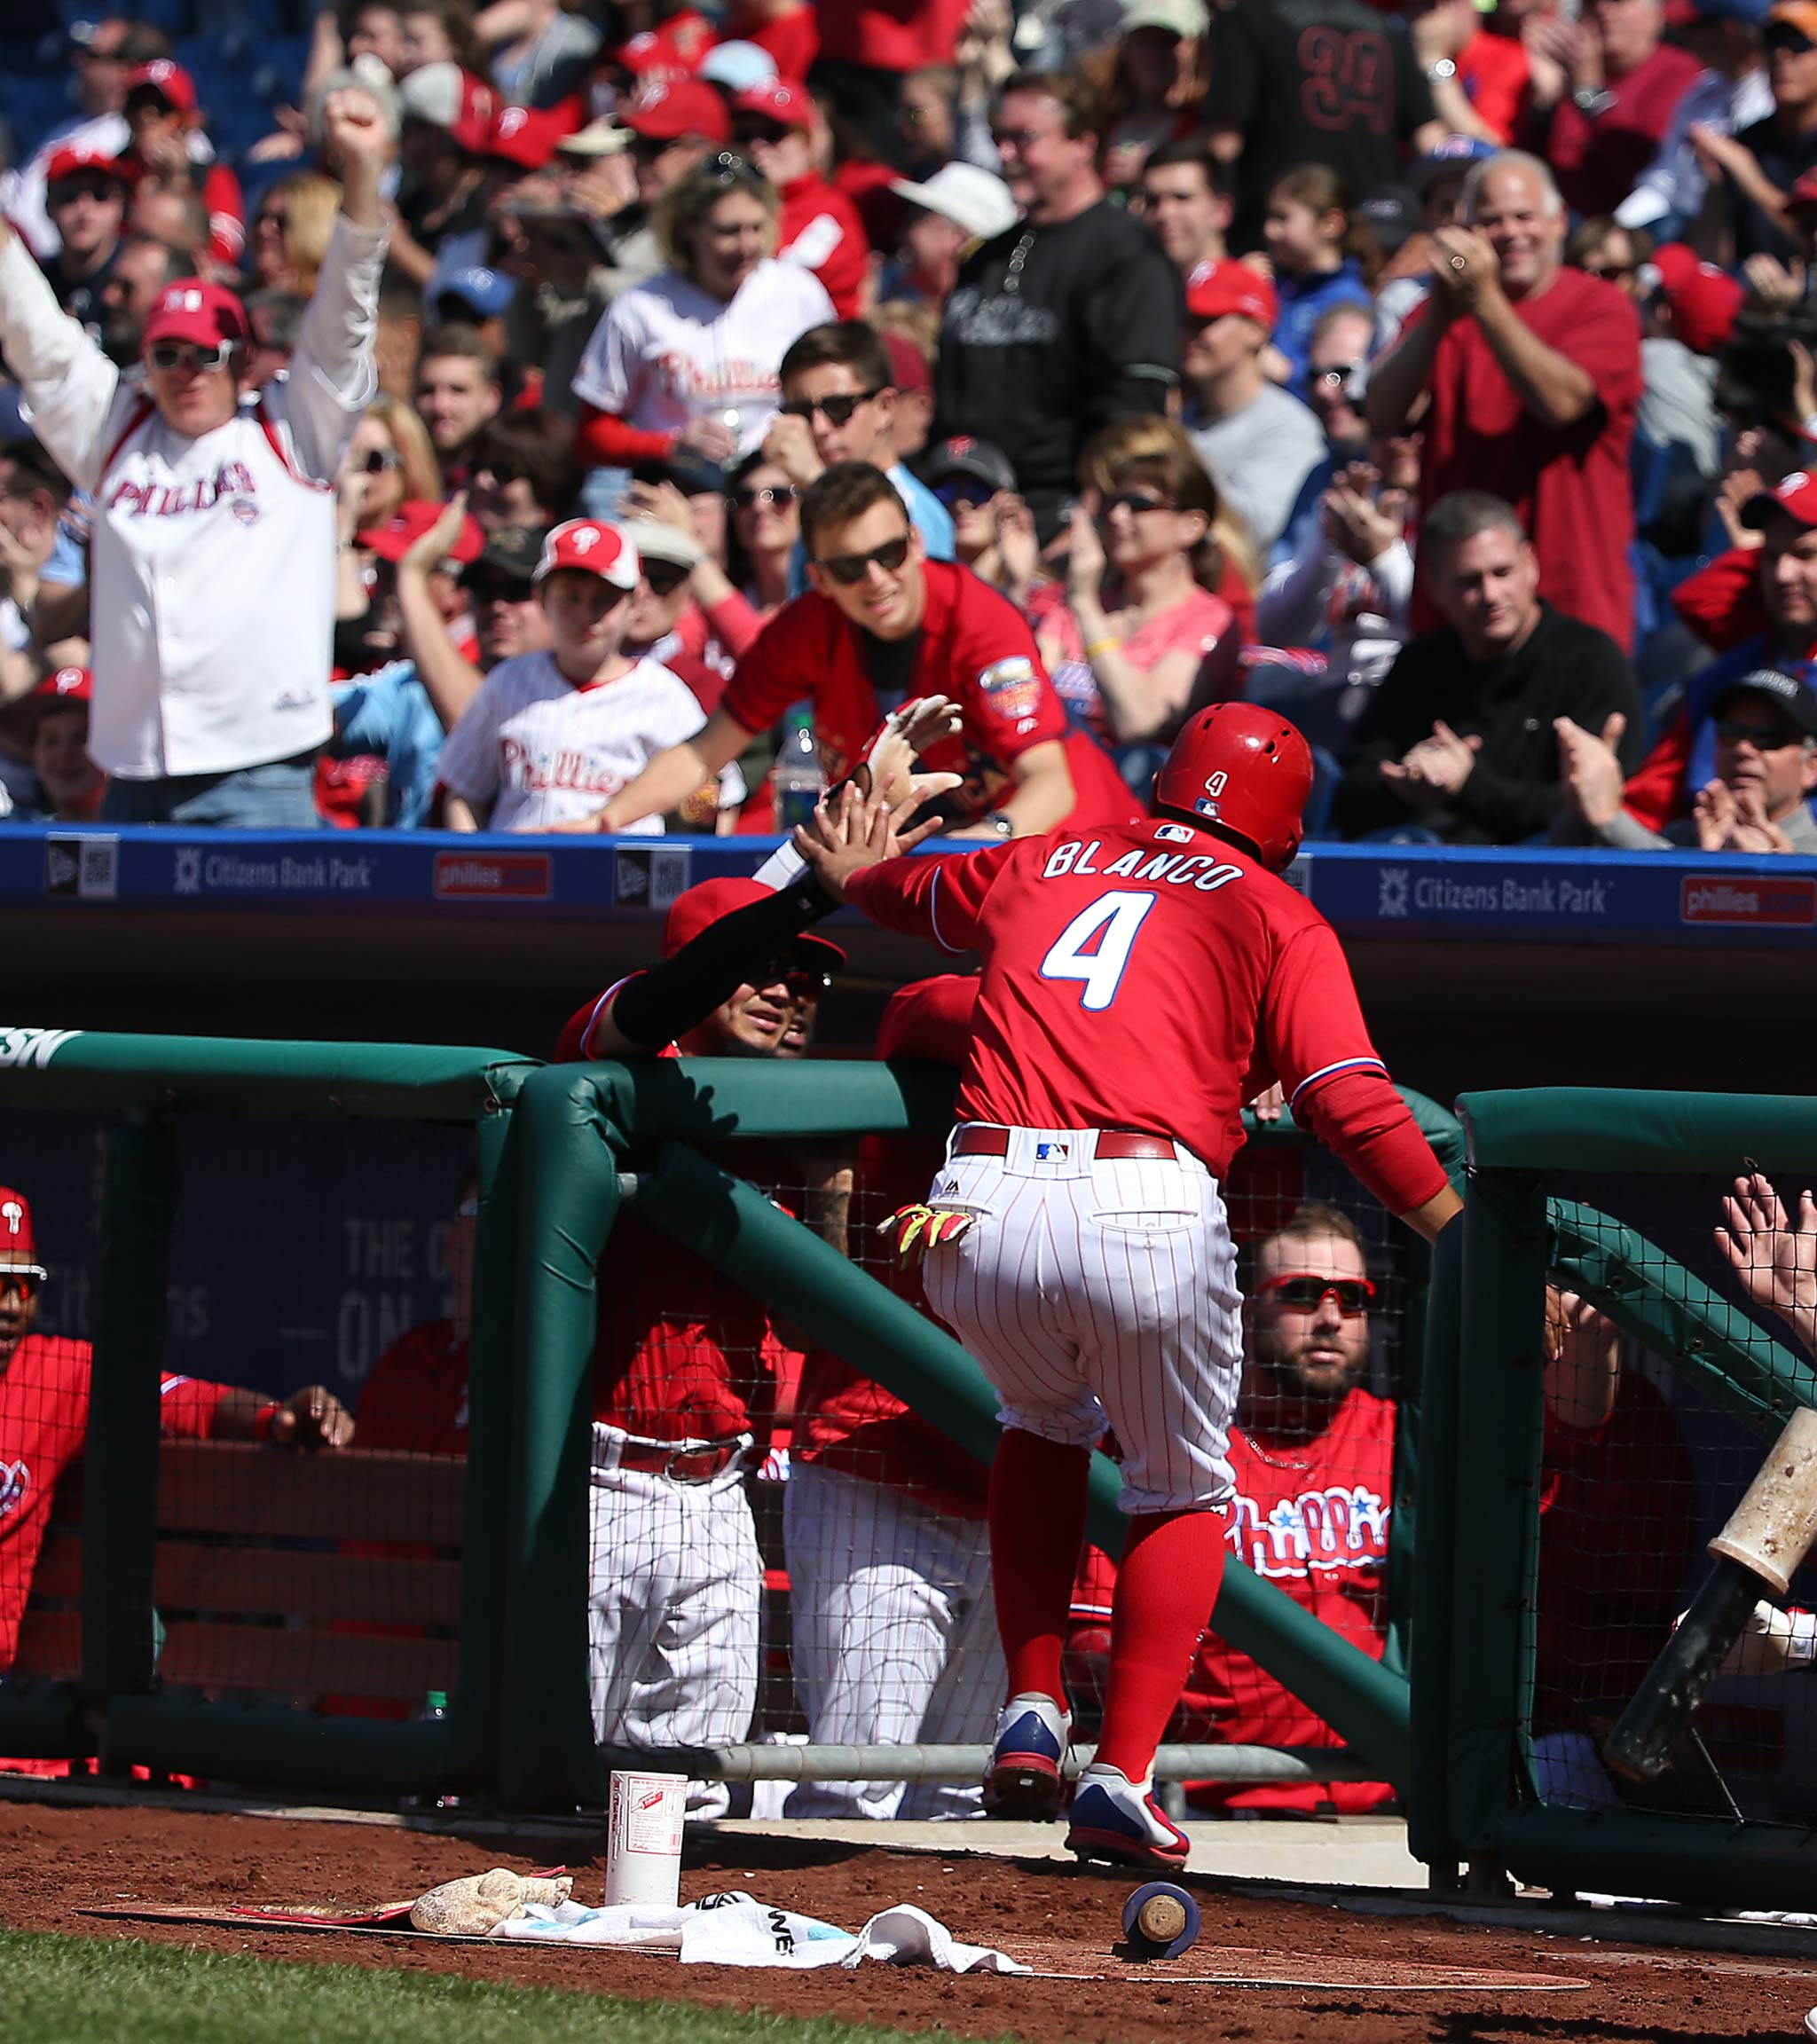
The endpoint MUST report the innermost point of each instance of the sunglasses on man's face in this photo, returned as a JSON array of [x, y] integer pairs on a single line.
[[1335, 381], [1791, 41], [1306, 1294], [780, 494], [804, 981], [665, 577], [1762, 737], [191, 355], [836, 411], [25, 1283], [499, 589], [851, 569]]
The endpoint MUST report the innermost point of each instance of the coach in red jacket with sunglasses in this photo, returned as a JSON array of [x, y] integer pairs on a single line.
[[881, 623]]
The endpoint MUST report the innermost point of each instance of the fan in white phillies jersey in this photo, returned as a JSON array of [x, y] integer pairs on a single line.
[[213, 555], [552, 735]]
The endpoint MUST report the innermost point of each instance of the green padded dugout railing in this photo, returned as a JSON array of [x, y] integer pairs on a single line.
[[576, 1127], [147, 1084]]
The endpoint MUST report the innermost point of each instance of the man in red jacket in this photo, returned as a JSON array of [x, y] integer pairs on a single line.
[[882, 623]]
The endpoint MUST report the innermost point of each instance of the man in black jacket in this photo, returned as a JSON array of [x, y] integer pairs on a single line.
[[1460, 740], [1065, 322]]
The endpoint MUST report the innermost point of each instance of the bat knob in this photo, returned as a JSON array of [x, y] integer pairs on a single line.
[[1161, 1921]]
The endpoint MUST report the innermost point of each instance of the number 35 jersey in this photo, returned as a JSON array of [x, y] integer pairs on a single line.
[[1150, 977]]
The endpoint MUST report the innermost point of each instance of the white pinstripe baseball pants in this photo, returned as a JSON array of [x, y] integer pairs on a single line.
[[1100, 1295]]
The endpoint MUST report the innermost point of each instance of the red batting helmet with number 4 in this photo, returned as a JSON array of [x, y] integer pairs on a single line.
[[1244, 772]]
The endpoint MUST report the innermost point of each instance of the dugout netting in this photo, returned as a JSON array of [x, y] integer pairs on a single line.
[[1608, 1388], [827, 1591], [201, 1575]]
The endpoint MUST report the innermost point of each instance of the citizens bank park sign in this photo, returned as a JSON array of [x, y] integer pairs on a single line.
[[1540, 895]]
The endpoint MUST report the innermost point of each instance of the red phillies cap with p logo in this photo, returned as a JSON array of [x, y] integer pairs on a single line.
[[206, 314], [592, 545], [170, 82], [1216, 288], [18, 1249], [778, 99], [67, 685], [1796, 493]]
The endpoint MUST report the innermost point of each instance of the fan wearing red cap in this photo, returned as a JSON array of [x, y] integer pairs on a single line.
[[70, 784], [777, 124], [1140, 982], [85, 197], [674, 124], [162, 118], [212, 564], [44, 1385], [553, 735], [1259, 442]]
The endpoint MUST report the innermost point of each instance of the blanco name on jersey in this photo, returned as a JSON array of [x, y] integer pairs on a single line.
[[539, 750], [1204, 871]]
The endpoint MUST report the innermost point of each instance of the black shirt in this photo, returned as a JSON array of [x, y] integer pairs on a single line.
[[1783, 159], [1330, 82], [1564, 669], [81, 298], [1052, 331]]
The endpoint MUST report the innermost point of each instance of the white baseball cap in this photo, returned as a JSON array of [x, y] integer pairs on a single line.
[[736, 67], [976, 200], [1187, 18]]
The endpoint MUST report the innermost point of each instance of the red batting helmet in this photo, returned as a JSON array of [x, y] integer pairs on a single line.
[[1243, 771]]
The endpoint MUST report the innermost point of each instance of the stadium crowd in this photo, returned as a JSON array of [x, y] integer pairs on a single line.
[[1439, 373], [594, 417]]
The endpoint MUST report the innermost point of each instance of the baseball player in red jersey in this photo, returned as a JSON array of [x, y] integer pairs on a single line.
[[683, 1387], [882, 622], [44, 1414], [1140, 982]]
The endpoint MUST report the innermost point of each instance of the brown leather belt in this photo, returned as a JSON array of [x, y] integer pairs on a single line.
[[1111, 1146], [680, 1465]]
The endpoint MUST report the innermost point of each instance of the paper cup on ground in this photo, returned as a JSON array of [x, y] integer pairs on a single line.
[[643, 1849]]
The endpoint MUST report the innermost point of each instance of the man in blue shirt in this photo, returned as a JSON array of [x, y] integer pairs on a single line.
[[839, 404]]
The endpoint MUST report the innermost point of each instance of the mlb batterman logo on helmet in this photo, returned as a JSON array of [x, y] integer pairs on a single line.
[[1243, 771]]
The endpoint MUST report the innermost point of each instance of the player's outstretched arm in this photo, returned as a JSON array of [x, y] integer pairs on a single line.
[[308, 1419]]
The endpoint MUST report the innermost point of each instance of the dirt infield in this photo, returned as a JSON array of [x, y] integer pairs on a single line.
[[60, 1861]]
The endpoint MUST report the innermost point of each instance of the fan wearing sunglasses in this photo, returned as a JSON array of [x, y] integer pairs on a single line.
[[881, 623], [839, 404], [213, 559]]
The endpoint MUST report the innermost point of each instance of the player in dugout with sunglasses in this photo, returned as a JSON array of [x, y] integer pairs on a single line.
[[881, 623]]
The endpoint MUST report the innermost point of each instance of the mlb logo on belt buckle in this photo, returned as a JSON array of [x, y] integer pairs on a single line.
[[1049, 1152]]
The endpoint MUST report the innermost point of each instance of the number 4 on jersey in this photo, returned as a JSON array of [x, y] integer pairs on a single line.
[[1112, 919]]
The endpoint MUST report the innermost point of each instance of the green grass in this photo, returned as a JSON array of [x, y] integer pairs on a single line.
[[95, 1990]]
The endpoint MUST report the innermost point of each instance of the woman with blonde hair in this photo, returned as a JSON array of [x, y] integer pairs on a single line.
[[691, 358], [389, 461], [289, 233], [1137, 637]]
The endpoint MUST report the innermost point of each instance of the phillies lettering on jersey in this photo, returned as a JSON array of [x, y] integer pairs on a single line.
[[1342, 1526], [152, 499]]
